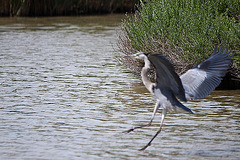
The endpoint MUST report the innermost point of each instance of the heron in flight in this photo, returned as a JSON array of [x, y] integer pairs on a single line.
[[169, 88]]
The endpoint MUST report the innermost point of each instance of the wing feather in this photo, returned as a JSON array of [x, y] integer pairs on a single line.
[[166, 77], [200, 81]]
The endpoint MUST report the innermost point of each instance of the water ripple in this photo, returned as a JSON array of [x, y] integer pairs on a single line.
[[63, 95]]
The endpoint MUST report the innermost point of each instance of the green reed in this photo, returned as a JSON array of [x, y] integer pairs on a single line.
[[190, 28]]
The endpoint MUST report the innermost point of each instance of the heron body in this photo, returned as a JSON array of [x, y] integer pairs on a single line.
[[169, 89]]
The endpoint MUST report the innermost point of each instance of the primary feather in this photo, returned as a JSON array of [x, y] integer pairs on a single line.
[[201, 80]]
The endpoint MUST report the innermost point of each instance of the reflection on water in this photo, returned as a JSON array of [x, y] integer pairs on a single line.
[[64, 96]]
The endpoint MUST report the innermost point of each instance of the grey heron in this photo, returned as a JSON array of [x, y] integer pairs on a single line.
[[169, 88]]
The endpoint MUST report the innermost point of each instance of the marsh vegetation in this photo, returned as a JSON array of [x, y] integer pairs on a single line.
[[184, 31]]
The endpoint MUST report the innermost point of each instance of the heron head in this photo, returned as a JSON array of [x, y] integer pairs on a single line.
[[139, 55]]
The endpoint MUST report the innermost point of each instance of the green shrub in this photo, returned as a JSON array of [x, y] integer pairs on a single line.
[[185, 31]]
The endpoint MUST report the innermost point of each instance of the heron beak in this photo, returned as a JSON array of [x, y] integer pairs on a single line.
[[130, 56]]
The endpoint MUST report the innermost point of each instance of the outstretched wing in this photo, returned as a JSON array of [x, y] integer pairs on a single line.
[[166, 77], [201, 80]]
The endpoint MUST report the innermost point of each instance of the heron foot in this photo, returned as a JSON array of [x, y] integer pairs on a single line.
[[132, 129], [142, 149], [128, 131]]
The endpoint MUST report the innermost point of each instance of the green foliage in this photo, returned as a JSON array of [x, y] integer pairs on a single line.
[[194, 26]]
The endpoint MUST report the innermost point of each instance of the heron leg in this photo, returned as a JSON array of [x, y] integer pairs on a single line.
[[159, 130], [148, 124]]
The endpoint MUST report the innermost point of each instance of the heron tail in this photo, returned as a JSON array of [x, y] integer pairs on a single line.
[[180, 105]]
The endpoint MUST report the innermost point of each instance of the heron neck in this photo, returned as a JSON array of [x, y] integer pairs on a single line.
[[145, 79]]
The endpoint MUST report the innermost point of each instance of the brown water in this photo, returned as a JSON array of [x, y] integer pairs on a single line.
[[63, 95]]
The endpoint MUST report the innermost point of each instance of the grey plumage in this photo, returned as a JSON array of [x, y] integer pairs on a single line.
[[166, 77], [201, 80], [196, 83]]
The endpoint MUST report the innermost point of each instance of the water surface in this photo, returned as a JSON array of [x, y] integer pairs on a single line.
[[64, 95]]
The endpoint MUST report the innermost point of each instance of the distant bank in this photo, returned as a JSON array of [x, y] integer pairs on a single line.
[[65, 7]]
